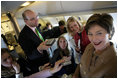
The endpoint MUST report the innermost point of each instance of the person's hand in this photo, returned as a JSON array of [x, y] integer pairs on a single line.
[[57, 66], [43, 46], [77, 49], [65, 58], [16, 67], [45, 66]]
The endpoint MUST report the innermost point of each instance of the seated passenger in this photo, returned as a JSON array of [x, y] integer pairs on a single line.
[[63, 52], [47, 32], [12, 68], [99, 59], [59, 30], [48, 26], [71, 44]]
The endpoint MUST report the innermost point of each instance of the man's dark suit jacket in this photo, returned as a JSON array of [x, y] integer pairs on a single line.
[[29, 42]]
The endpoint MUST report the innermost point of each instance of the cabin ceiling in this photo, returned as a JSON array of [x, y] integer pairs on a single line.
[[56, 7], [10, 6]]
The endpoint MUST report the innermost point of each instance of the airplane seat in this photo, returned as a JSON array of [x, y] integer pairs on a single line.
[[52, 48], [3, 44], [14, 54], [20, 51]]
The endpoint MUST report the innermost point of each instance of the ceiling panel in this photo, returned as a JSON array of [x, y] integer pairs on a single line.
[[10, 6], [56, 7]]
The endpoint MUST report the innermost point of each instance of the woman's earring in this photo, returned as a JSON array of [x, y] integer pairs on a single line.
[[109, 36]]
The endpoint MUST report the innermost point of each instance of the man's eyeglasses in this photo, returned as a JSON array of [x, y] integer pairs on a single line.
[[32, 19]]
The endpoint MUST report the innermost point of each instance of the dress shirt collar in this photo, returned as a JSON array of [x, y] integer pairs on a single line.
[[32, 28]]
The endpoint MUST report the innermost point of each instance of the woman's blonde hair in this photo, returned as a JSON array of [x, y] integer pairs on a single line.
[[72, 19]]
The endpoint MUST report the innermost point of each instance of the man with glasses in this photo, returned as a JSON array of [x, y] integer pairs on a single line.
[[31, 40]]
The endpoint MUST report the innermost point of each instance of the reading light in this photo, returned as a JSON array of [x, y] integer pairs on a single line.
[[25, 4]]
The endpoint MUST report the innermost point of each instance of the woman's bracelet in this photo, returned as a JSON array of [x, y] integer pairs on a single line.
[[50, 70]]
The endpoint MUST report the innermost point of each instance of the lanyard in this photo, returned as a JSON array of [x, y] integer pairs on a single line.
[[40, 36]]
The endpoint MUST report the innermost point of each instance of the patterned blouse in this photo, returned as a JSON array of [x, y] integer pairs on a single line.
[[7, 73]]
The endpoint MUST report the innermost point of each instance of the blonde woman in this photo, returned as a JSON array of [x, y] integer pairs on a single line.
[[79, 34]]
